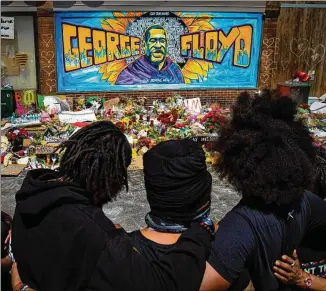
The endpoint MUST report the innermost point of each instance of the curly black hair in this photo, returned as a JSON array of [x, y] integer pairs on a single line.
[[97, 157], [320, 185], [264, 151]]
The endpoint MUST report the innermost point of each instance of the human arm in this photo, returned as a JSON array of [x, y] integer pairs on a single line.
[[122, 267], [288, 271], [16, 282], [6, 264], [232, 247]]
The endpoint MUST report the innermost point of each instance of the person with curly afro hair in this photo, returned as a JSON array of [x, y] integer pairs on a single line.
[[269, 157]]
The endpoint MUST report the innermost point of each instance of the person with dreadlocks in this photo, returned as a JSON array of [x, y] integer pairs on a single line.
[[269, 157], [62, 240]]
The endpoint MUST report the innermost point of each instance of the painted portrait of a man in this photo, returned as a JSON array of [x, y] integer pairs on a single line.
[[155, 66]]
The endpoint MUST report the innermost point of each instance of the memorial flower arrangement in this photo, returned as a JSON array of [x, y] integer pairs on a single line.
[[15, 137], [213, 120], [168, 118]]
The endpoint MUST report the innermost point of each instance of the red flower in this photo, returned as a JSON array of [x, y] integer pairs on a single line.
[[120, 125], [23, 132]]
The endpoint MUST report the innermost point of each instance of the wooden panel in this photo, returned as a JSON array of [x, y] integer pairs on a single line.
[[301, 45]]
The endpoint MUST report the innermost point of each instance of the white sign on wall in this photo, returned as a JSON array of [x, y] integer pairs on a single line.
[[193, 104], [7, 27]]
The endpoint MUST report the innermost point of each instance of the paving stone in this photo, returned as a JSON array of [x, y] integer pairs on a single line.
[[130, 208]]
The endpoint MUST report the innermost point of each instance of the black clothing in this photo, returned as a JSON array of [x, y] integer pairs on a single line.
[[61, 242], [177, 181], [154, 251], [251, 238], [5, 227], [312, 253]]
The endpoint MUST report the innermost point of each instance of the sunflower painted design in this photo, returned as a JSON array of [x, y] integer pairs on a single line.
[[193, 70]]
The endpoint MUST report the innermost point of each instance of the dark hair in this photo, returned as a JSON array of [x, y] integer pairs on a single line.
[[177, 182], [97, 157], [320, 185], [264, 151], [147, 31]]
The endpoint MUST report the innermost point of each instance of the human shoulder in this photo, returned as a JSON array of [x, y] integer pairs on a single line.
[[89, 221]]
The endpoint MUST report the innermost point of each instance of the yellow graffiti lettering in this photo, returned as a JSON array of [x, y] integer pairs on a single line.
[[85, 47], [217, 44], [112, 46], [211, 45], [242, 47], [29, 97], [197, 51], [186, 44], [99, 47], [71, 54], [135, 45], [226, 42], [125, 46]]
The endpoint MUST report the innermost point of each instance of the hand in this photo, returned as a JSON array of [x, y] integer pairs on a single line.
[[8, 237], [288, 270], [216, 226]]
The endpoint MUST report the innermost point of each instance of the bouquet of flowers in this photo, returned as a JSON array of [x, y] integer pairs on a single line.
[[144, 142], [15, 137], [213, 120], [168, 118], [120, 125]]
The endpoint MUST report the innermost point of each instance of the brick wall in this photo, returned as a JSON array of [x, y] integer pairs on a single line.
[[47, 79]]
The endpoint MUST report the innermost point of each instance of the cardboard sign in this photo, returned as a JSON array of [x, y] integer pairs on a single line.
[[108, 104], [7, 27], [12, 170], [25, 101], [136, 163], [193, 105], [79, 116]]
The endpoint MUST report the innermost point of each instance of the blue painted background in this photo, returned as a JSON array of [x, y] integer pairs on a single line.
[[222, 76]]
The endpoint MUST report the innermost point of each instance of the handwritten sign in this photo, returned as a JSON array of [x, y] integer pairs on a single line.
[[7, 27], [108, 104], [193, 104], [79, 116], [136, 163]]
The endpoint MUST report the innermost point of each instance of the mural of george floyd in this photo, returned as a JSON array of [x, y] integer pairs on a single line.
[[120, 50], [123, 51]]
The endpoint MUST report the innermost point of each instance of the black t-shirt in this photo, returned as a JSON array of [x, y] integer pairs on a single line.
[[312, 253], [153, 251], [252, 239]]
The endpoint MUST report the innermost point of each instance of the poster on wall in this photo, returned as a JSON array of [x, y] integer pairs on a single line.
[[7, 27], [120, 51]]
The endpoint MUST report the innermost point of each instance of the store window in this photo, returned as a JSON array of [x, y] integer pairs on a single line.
[[18, 65]]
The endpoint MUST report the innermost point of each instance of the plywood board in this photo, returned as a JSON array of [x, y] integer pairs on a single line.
[[12, 170]]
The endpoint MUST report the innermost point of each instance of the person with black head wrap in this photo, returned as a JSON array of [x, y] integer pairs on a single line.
[[178, 187], [177, 183]]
